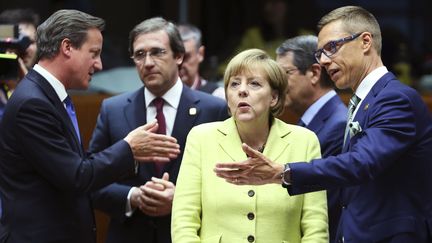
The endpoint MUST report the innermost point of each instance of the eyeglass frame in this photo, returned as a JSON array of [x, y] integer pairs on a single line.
[[153, 53], [334, 46]]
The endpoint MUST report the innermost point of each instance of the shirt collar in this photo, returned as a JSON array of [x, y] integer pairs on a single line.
[[53, 81], [369, 81], [172, 96], [316, 106]]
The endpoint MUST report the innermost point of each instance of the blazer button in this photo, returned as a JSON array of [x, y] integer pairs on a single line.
[[251, 193], [251, 238], [251, 216]]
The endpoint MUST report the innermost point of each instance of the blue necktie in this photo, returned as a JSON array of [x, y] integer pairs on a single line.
[[71, 112]]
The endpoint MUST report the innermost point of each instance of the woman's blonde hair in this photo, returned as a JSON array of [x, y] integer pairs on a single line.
[[256, 59]]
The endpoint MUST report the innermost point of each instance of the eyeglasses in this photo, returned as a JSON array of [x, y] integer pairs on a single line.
[[154, 53], [332, 47]]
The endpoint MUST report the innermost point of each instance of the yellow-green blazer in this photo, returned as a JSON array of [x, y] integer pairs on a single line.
[[207, 209]]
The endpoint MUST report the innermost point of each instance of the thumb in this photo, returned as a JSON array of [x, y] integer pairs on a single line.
[[250, 152], [165, 176], [151, 126]]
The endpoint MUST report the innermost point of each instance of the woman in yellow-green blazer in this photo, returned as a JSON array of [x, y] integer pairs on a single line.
[[208, 209]]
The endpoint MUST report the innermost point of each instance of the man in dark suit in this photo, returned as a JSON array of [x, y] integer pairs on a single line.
[[45, 176], [140, 207], [312, 97], [385, 166]]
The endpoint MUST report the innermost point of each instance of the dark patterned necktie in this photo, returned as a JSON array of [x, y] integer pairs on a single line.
[[160, 117]]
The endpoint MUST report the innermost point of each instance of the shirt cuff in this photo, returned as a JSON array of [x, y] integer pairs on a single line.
[[129, 210]]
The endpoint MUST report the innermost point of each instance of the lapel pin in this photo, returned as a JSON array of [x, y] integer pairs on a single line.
[[366, 107], [192, 111]]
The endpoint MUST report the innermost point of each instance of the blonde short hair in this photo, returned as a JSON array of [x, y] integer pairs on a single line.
[[256, 59], [354, 20]]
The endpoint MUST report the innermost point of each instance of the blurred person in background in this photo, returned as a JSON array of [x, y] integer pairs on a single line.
[[194, 56]]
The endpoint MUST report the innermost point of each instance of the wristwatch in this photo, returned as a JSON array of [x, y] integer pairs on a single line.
[[286, 175]]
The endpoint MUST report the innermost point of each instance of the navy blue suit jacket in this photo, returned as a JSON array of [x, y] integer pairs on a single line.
[[329, 125], [45, 177], [118, 116], [385, 170]]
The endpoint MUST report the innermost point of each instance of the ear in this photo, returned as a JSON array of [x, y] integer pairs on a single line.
[[315, 73], [367, 41], [179, 59], [201, 53], [275, 98], [66, 47]]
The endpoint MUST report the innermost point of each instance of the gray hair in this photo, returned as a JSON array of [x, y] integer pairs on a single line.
[[355, 19], [66, 23], [303, 48], [156, 24], [190, 32]]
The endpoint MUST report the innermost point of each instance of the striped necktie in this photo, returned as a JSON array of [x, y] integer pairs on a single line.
[[354, 101]]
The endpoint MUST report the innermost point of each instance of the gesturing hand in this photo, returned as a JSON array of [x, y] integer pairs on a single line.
[[148, 146], [255, 170]]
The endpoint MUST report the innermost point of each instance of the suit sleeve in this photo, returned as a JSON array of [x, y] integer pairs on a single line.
[[314, 221], [111, 199], [42, 135], [186, 212], [387, 135]]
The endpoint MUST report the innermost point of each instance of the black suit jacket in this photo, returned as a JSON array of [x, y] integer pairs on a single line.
[[118, 116], [45, 177]]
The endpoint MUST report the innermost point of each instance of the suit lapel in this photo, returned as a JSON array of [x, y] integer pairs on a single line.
[[135, 113], [368, 103], [277, 141], [188, 111], [230, 141], [135, 110], [323, 114], [52, 96]]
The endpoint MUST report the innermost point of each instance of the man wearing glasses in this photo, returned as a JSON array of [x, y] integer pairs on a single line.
[[140, 208], [384, 170], [312, 97]]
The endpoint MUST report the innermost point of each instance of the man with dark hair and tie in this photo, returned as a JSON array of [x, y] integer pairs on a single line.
[[140, 208], [45, 176], [312, 97]]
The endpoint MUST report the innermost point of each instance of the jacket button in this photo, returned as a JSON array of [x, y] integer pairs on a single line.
[[251, 193], [251, 238], [251, 216]]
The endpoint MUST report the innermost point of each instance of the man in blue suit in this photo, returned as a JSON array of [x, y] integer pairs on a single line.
[[45, 176], [140, 207], [385, 166], [312, 97]]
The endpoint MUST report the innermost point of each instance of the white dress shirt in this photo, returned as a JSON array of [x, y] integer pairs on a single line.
[[367, 83]]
